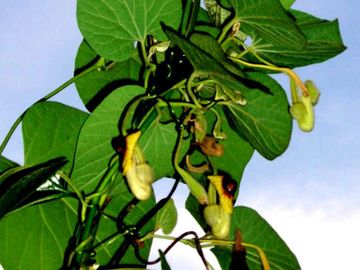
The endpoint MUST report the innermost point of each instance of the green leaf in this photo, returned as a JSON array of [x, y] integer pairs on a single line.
[[210, 45], [120, 197], [112, 27], [95, 86], [6, 164], [18, 183], [264, 121], [42, 196], [323, 42], [166, 218], [157, 143], [94, 149], [287, 3], [268, 21], [51, 129], [255, 230], [164, 264], [36, 237]]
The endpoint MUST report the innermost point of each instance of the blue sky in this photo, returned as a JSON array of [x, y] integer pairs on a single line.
[[310, 194]]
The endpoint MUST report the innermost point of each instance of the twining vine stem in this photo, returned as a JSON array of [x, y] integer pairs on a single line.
[[92, 68]]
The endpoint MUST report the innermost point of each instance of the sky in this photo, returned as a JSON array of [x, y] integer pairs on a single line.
[[310, 195]]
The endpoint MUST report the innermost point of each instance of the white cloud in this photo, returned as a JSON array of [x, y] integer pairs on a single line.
[[319, 240]]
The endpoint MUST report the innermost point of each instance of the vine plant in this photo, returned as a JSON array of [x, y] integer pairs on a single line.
[[173, 89]]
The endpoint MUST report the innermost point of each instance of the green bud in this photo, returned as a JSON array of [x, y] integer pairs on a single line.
[[200, 127], [195, 187]]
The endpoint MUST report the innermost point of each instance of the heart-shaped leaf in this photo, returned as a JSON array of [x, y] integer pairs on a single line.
[[264, 121], [36, 237], [112, 26], [51, 129], [157, 143], [97, 85], [323, 42], [267, 20]]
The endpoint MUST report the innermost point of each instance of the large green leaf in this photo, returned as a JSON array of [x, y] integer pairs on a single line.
[[95, 86], [18, 183], [36, 237], [264, 121], [94, 148], [257, 231], [6, 164], [112, 26], [210, 46], [157, 143], [323, 42], [51, 129], [267, 20]]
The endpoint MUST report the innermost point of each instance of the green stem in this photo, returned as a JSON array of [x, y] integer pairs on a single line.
[[45, 98], [69, 182], [214, 242], [176, 104], [194, 186], [195, 6], [294, 92], [189, 90], [285, 70], [129, 113], [226, 29], [89, 228]]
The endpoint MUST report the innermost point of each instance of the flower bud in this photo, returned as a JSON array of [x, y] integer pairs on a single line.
[[194, 186]]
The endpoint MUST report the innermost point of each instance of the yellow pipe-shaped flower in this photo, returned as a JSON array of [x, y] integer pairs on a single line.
[[138, 173], [226, 189], [130, 143]]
